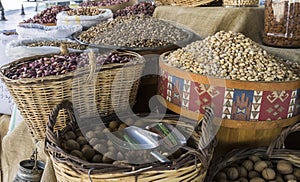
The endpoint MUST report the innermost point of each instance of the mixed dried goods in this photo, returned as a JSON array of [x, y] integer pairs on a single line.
[[134, 31], [233, 56], [282, 23], [103, 3], [72, 45], [85, 11], [60, 64], [145, 8], [257, 169], [48, 15]]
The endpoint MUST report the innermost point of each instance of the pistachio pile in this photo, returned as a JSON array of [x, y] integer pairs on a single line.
[[256, 169], [95, 146], [233, 56], [134, 31], [145, 8], [86, 11], [60, 64], [72, 45]]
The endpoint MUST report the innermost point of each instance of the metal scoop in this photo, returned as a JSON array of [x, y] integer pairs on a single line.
[[135, 138]]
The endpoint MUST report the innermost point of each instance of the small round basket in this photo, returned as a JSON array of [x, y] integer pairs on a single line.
[[190, 166], [274, 152], [35, 97]]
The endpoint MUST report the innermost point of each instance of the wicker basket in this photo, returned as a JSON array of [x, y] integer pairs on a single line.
[[190, 166], [36, 97], [271, 105], [274, 152]]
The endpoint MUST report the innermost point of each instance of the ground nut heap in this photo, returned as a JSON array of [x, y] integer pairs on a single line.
[[231, 55], [134, 31]]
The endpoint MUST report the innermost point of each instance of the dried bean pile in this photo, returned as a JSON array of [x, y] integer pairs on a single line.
[[231, 55], [60, 64], [48, 15], [72, 45], [256, 169], [145, 8], [86, 11], [134, 31], [282, 23], [103, 3]]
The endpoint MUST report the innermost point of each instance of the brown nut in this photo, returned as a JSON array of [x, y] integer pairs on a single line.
[[248, 164], [257, 179], [232, 173], [259, 166], [284, 167], [88, 152], [268, 174], [72, 145]]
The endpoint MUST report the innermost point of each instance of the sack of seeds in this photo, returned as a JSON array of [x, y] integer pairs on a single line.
[[31, 30], [40, 46], [85, 16]]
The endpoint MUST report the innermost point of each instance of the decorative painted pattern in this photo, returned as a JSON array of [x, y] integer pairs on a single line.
[[229, 103]]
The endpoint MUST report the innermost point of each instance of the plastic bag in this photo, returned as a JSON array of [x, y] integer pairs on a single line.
[[85, 21], [29, 30], [18, 49]]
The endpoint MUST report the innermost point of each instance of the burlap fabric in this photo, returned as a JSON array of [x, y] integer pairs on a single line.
[[18, 146], [207, 21]]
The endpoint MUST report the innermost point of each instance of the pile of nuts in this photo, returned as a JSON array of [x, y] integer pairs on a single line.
[[60, 64], [282, 23], [85, 11], [233, 56], [145, 8], [255, 169], [241, 3], [72, 45], [103, 3], [95, 146], [48, 15], [134, 31]]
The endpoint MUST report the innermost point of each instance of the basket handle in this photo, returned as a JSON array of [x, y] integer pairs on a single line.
[[279, 141], [207, 141], [54, 113]]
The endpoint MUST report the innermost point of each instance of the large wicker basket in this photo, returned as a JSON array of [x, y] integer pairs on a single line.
[[103, 94], [190, 166], [274, 152]]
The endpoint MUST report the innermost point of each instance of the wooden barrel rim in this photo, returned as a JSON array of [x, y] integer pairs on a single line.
[[237, 84], [229, 123]]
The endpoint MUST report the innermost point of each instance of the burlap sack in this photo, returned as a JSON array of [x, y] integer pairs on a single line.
[[18, 146]]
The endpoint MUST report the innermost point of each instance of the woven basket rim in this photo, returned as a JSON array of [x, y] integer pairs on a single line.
[[191, 3], [190, 157], [67, 75]]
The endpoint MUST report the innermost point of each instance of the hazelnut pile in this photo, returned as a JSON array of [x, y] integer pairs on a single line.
[[103, 3], [72, 45], [256, 169], [85, 11]]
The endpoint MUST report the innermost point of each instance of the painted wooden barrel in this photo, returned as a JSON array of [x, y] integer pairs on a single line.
[[252, 113]]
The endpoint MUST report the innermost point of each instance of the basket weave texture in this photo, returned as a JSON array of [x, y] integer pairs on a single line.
[[190, 166], [274, 152], [102, 94]]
